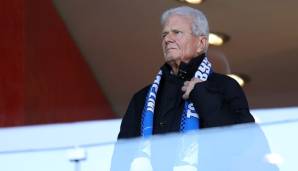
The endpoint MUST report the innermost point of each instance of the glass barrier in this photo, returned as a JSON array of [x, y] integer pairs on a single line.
[[264, 147]]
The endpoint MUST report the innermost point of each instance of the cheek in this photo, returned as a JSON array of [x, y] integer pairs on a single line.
[[163, 45], [191, 48], [183, 47]]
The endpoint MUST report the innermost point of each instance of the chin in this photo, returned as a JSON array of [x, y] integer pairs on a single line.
[[169, 58]]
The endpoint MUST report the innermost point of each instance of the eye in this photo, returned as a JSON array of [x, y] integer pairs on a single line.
[[164, 34], [177, 32]]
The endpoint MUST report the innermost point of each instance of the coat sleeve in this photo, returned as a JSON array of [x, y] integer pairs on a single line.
[[219, 102], [130, 125], [131, 121]]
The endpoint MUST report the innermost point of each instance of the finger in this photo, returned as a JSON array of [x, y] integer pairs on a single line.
[[196, 80], [186, 83], [189, 88], [184, 88], [184, 96]]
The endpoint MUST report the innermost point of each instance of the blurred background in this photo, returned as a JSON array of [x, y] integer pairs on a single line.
[[65, 61]]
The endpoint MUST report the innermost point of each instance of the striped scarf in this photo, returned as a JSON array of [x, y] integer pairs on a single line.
[[190, 117]]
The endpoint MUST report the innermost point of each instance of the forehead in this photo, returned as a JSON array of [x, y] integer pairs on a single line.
[[178, 22]]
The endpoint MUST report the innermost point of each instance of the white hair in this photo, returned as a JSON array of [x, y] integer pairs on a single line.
[[199, 21]]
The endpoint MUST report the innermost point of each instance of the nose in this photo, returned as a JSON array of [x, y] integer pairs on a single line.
[[169, 38]]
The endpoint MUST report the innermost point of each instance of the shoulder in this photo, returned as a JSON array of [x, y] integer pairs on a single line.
[[137, 100], [142, 92], [222, 80], [217, 77], [140, 96], [223, 84]]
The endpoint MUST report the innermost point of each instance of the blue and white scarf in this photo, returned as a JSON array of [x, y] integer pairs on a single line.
[[190, 117]]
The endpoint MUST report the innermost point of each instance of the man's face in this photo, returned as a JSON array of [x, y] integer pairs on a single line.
[[178, 42]]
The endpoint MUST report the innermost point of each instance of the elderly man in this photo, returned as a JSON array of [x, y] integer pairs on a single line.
[[186, 93]]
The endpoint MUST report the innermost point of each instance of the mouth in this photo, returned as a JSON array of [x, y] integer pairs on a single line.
[[168, 49]]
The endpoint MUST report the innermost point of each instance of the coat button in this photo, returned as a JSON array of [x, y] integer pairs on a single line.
[[162, 124]]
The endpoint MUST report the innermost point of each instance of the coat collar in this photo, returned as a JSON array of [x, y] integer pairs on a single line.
[[186, 70]]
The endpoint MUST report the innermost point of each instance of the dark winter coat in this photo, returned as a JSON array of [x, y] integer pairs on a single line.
[[219, 101]]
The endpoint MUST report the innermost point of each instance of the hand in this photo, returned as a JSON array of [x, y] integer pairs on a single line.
[[188, 86]]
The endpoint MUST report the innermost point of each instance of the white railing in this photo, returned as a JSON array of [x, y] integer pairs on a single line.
[[90, 146]]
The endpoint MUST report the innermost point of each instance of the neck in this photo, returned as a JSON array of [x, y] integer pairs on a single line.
[[185, 69], [175, 66]]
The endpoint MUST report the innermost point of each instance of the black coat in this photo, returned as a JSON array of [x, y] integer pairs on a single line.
[[220, 101]]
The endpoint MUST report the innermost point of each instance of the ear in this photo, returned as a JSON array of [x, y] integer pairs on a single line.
[[202, 44]]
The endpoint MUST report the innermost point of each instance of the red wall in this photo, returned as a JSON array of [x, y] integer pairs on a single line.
[[44, 78], [11, 62]]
